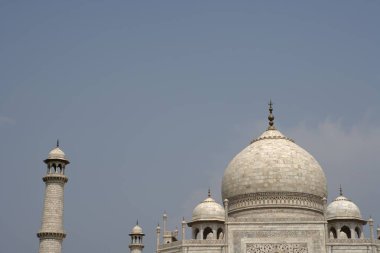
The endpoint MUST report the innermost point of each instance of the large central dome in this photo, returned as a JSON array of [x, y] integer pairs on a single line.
[[273, 170]]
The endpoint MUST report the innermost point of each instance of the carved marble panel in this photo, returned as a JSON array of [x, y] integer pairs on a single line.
[[277, 240], [276, 248]]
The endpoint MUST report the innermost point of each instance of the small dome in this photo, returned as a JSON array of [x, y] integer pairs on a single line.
[[57, 153], [208, 210], [343, 208], [137, 230]]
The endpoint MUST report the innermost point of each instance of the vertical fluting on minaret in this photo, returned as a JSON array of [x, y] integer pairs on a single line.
[[52, 232]]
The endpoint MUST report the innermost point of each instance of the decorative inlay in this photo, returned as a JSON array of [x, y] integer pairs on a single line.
[[349, 241], [307, 237], [275, 199], [185, 243], [272, 137], [277, 248], [274, 219]]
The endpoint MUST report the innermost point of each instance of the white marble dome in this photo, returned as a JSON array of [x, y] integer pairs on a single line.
[[208, 210], [137, 230], [56, 153], [343, 208], [273, 163]]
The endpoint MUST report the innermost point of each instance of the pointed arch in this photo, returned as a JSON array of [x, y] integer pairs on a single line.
[[332, 233], [196, 233], [219, 233], [346, 231], [357, 232], [207, 233]]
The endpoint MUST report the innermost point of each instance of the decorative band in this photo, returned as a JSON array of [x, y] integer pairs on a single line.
[[272, 137], [276, 199], [51, 235], [55, 178]]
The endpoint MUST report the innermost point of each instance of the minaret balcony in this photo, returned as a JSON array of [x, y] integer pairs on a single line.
[[51, 235], [58, 178]]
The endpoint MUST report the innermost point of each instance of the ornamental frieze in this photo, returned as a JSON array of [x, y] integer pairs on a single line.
[[276, 248], [283, 199]]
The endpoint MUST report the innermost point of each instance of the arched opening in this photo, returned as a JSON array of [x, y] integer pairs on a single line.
[[207, 233], [345, 232], [219, 233], [333, 234], [59, 168], [196, 233], [357, 232]]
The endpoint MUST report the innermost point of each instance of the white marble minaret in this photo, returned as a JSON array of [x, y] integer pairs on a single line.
[[137, 235], [52, 233]]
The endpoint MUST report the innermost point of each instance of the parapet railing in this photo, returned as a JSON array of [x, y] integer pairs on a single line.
[[349, 241], [209, 242]]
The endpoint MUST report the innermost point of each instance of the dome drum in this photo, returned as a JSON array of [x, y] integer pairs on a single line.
[[264, 200]]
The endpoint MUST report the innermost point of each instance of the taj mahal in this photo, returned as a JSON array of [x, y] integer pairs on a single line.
[[274, 201]]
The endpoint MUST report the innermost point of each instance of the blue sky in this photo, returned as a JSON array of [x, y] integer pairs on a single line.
[[151, 100]]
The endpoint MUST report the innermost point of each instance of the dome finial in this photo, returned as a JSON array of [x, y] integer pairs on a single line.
[[340, 190], [271, 117], [137, 222], [57, 143], [209, 193]]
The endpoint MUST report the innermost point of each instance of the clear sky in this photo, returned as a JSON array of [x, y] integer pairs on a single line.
[[152, 99]]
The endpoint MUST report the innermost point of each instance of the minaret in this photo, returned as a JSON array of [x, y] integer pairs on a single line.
[[166, 235], [183, 228], [52, 233], [158, 231], [136, 245], [372, 235]]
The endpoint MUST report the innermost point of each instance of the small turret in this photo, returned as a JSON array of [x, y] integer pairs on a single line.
[[344, 219], [183, 228], [208, 220], [372, 234], [158, 232], [167, 235]]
